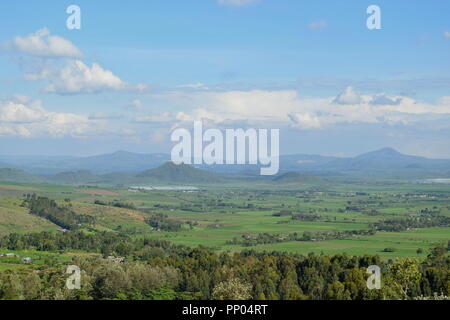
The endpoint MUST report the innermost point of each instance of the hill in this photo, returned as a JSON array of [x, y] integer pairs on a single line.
[[15, 218], [78, 177], [120, 161], [15, 175], [173, 173], [122, 167], [296, 178]]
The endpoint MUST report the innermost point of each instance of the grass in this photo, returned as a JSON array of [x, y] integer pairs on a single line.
[[221, 213], [15, 218]]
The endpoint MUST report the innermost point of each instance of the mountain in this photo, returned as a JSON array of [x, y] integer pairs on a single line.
[[296, 178], [78, 177], [386, 159], [120, 161], [122, 167], [15, 175], [182, 173]]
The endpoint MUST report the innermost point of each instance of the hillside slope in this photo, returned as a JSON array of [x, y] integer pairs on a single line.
[[15, 218], [15, 175], [296, 178], [182, 173]]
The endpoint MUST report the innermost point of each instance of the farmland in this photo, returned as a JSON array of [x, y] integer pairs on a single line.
[[169, 243], [215, 215]]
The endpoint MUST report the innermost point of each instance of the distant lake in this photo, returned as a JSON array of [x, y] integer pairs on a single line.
[[156, 188]]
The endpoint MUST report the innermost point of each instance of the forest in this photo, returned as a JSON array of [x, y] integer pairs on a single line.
[[156, 269], [61, 216]]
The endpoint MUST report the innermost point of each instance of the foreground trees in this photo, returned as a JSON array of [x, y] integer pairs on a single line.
[[155, 269]]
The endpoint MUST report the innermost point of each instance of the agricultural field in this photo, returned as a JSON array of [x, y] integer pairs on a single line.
[[331, 217]]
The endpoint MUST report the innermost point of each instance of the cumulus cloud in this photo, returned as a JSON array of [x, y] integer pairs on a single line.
[[235, 3], [78, 77], [318, 25], [20, 110], [305, 121], [43, 44], [29, 119], [349, 96], [281, 108], [57, 62], [382, 99]]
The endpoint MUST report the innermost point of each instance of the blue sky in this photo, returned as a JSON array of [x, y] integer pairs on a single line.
[[311, 68]]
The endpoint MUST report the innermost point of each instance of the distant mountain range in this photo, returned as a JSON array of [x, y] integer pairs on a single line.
[[168, 173], [120, 161], [133, 167]]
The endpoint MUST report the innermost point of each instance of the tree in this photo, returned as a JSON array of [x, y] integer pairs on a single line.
[[337, 291], [404, 275], [233, 289]]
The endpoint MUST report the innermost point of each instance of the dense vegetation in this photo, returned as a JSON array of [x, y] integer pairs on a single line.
[[62, 216], [163, 222], [117, 236], [158, 270], [266, 238], [117, 204], [402, 224]]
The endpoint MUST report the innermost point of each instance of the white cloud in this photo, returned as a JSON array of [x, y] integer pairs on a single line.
[[236, 3], [64, 76], [194, 86], [16, 112], [305, 121], [447, 34], [78, 77], [445, 100], [30, 119], [318, 25], [282, 108], [349, 96], [42, 44], [382, 99]]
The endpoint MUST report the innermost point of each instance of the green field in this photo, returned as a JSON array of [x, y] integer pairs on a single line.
[[218, 213]]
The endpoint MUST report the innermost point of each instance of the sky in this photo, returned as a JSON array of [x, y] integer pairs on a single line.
[[134, 72]]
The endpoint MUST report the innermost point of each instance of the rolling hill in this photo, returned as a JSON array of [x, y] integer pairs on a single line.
[[129, 168], [173, 173], [120, 161], [78, 177], [296, 178], [15, 175], [387, 158], [16, 218]]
